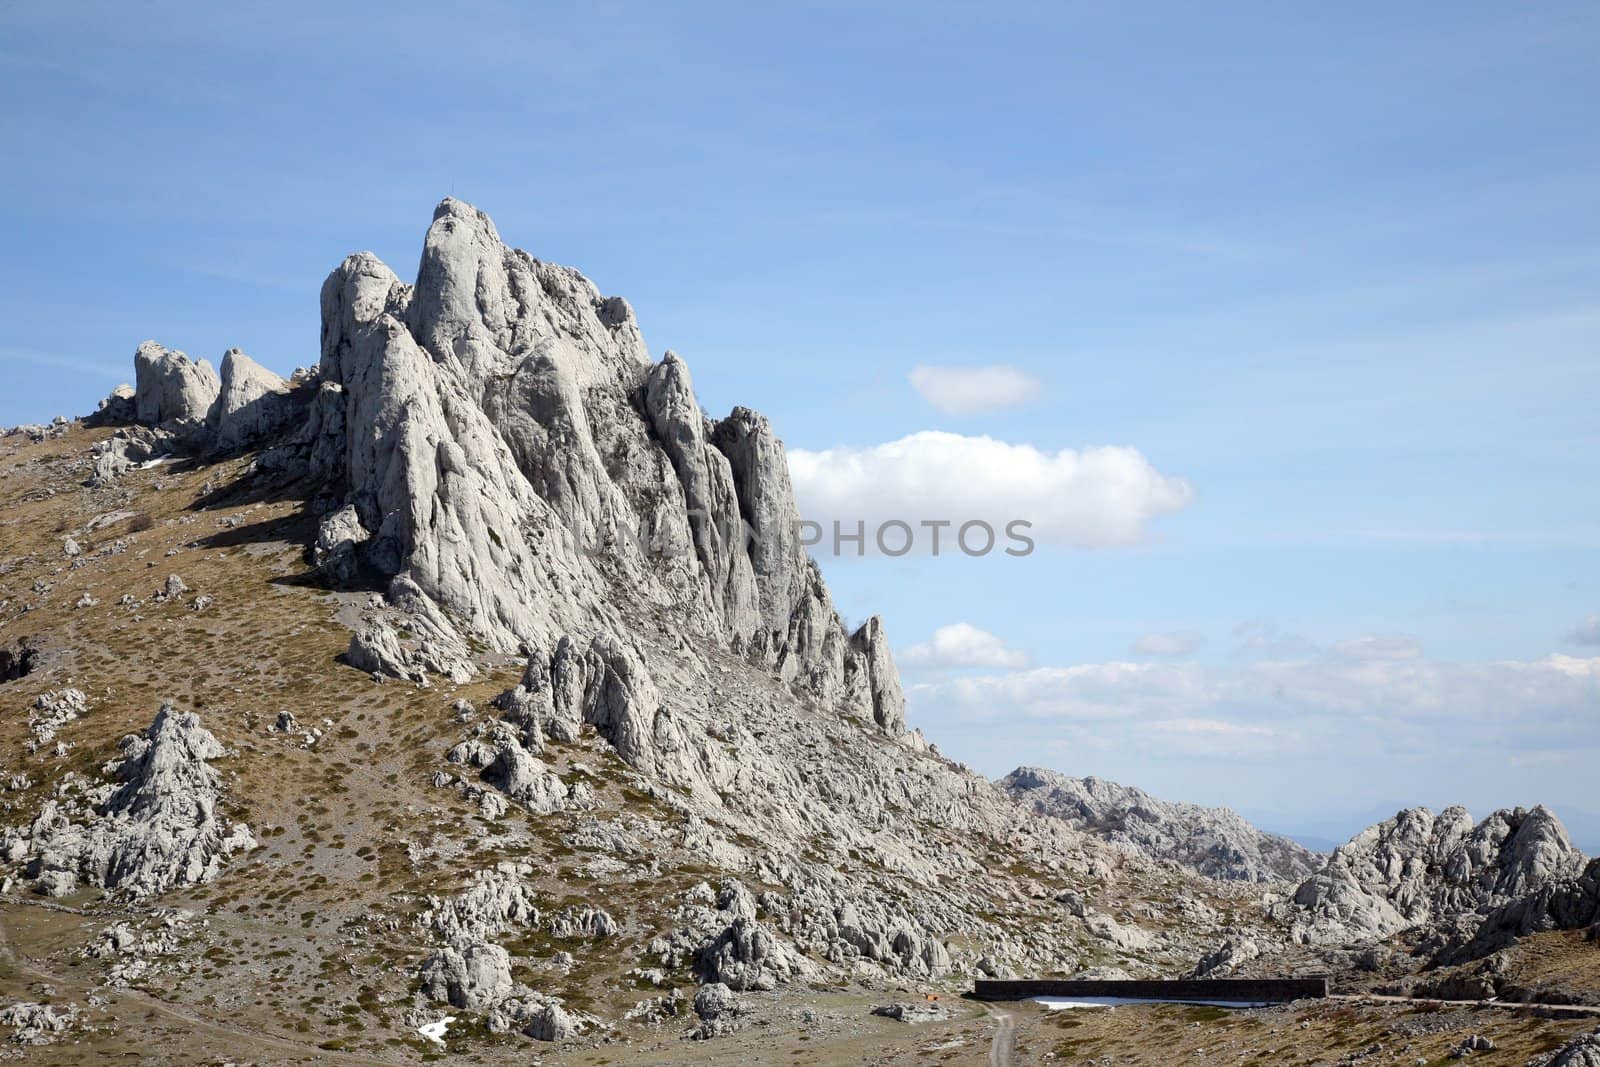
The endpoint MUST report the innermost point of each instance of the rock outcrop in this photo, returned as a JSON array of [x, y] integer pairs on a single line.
[[169, 389], [1582, 1051], [504, 442], [1216, 842], [496, 441], [477, 976], [252, 403], [159, 829], [32, 1023], [1419, 869], [471, 972], [1228, 957]]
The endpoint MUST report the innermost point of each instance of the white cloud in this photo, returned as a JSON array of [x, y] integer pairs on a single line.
[[1092, 498], [962, 645], [1088, 691], [1213, 737], [1397, 702], [1586, 632], [1379, 646], [1209, 726], [975, 390], [1174, 643]]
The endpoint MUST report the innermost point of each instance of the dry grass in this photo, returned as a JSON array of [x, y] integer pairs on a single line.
[[310, 949], [1307, 1033]]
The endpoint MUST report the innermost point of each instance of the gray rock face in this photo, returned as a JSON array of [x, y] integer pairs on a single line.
[[469, 971], [51, 712], [872, 676], [715, 519], [1213, 841], [746, 956], [496, 901], [476, 976], [339, 536], [1559, 904], [252, 403], [552, 1022], [718, 1009], [159, 829], [714, 1000], [434, 648], [1417, 869], [505, 444], [129, 447], [37, 1024], [1227, 958], [586, 922], [119, 408], [169, 388], [375, 649], [523, 777]]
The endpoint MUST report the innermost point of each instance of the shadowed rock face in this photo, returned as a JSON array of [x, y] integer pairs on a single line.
[[17, 663], [1213, 841], [1419, 869], [252, 403]]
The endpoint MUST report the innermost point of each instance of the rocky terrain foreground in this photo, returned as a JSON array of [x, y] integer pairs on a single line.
[[468, 695]]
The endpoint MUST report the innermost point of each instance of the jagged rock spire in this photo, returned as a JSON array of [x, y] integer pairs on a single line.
[[499, 441]]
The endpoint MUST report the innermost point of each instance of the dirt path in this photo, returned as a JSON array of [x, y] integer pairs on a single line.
[[1005, 1037]]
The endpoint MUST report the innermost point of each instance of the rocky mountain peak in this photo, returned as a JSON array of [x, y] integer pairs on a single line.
[[1419, 868], [496, 439], [561, 666]]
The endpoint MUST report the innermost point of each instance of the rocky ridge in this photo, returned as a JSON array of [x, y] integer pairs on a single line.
[[1470, 888], [578, 751], [497, 471], [1216, 842]]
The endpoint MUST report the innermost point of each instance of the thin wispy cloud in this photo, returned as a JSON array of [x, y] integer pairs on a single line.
[[1396, 700], [63, 362], [1586, 632], [1269, 640], [1171, 643], [975, 390]]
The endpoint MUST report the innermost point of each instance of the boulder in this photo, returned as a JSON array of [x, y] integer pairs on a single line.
[[252, 404], [476, 976], [169, 389]]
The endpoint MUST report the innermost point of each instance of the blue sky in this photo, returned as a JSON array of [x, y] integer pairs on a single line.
[[1335, 271]]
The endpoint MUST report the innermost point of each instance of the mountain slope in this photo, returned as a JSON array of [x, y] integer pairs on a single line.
[[534, 711], [1216, 842]]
